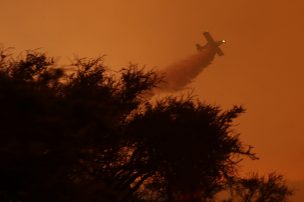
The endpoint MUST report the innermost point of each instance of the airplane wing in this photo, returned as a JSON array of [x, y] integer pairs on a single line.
[[208, 37], [213, 43], [219, 51]]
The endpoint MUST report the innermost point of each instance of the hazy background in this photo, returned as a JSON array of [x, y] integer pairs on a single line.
[[262, 68]]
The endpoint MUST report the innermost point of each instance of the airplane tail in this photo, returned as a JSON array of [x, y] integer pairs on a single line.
[[198, 47]]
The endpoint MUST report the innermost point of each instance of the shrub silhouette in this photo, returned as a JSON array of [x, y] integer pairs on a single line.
[[91, 135], [257, 188]]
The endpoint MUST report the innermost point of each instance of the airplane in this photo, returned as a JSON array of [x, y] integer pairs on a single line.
[[214, 44]]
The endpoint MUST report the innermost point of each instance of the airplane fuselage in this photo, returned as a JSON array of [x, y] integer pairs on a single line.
[[211, 43]]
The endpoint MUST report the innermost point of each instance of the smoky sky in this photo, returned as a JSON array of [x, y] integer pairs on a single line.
[[262, 68]]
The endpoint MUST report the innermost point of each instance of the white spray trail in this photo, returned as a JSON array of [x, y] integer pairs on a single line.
[[178, 75]]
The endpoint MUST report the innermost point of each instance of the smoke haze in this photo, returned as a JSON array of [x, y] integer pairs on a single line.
[[178, 75]]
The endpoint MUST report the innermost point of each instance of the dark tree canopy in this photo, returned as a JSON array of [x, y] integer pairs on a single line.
[[88, 134], [257, 188], [187, 143]]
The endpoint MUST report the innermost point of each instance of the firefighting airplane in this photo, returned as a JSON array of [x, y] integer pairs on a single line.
[[214, 44]]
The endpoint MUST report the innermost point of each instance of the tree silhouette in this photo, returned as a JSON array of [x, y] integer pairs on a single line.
[[89, 134], [260, 189], [53, 122], [187, 144]]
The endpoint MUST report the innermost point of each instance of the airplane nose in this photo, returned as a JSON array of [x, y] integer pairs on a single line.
[[220, 42]]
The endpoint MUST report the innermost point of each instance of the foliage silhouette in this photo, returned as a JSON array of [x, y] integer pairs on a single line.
[[91, 135], [188, 144], [260, 189]]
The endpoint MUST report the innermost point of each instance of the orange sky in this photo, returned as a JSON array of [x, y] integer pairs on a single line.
[[263, 67]]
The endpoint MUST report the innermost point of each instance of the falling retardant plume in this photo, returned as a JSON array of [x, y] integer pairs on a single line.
[[178, 75]]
